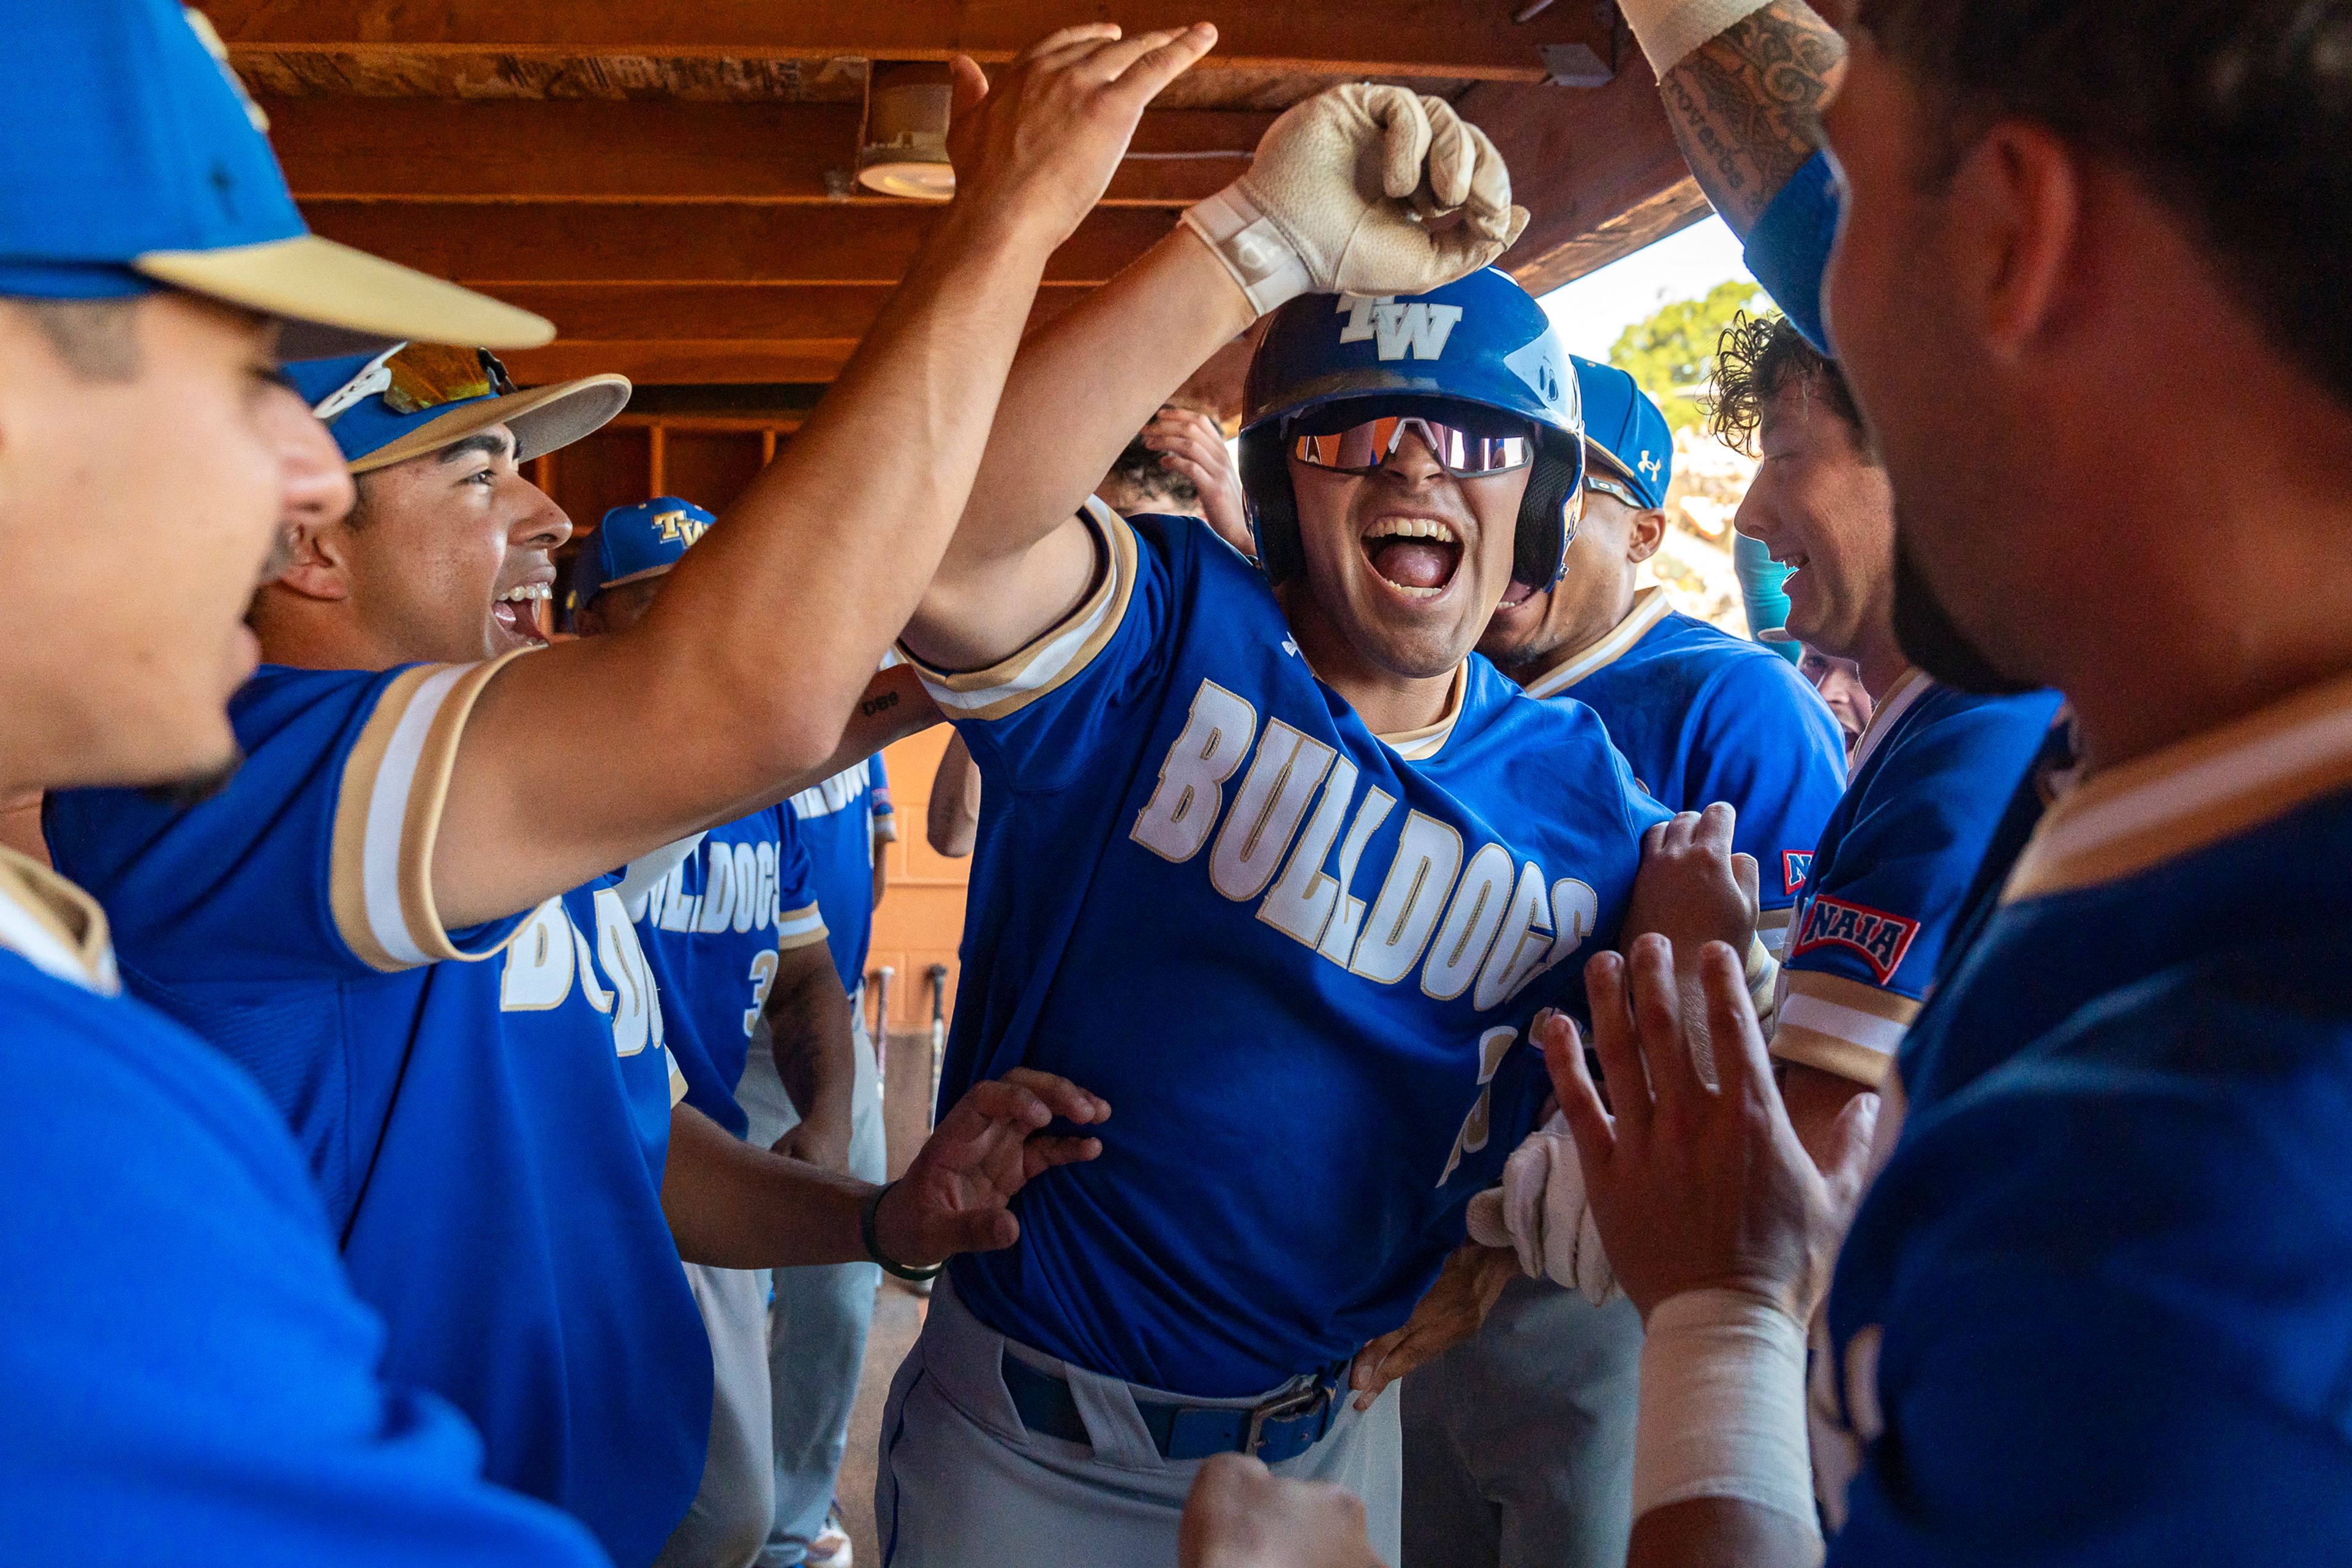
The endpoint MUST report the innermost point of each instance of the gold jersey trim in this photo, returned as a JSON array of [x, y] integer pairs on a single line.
[[2191, 794], [1056, 655], [55, 926], [1908, 688], [1841, 1026], [1650, 607], [388, 816]]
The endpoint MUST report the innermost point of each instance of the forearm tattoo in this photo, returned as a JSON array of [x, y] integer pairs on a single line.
[[1744, 106]]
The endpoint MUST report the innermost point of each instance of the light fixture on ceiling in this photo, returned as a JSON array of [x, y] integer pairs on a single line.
[[904, 152]]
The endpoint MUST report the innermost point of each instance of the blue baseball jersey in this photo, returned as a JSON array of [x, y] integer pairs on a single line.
[[1932, 780], [485, 1111], [1298, 958], [2096, 1311], [712, 925], [1702, 716], [189, 1377], [835, 820]]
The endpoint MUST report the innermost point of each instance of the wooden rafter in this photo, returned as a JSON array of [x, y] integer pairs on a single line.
[[1467, 38], [508, 150]]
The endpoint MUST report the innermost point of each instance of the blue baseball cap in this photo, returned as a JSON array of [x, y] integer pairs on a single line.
[[133, 159], [635, 542], [415, 398], [1624, 432]]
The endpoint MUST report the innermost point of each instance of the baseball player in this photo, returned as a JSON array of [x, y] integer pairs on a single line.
[[1519, 1444], [400, 916], [734, 939], [189, 1377], [1266, 848], [2117, 1139], [1930, 778], [818, 1322]]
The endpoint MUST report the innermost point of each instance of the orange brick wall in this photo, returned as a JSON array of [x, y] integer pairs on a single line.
[[921, 922]]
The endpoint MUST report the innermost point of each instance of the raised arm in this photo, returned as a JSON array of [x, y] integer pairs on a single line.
[[741, 677], [1328, 205], [1743, 99], [1743, 103]]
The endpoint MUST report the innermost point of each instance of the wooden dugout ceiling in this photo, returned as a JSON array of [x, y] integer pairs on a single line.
[[671, 182]]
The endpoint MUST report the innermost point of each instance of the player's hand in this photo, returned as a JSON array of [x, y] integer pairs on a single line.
[[1698, 1187], [1189, 442], [1242, 1515], [1036, 147], [1362, 189], [952, 1198], [1691, 888], [1453, 1312], [817, 1143]]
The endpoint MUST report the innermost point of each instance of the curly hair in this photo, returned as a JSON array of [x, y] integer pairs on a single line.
[[1758, 356]]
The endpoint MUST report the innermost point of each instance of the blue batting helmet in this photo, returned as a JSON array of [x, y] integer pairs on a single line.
[[1481, 341]]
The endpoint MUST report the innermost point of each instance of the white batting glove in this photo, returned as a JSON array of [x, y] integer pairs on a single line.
[[1668, 30], [1337, 199], [1540, 1213]]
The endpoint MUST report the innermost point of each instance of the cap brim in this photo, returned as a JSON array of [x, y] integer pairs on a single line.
[[543, 419], [335, 300], [1611, 461]]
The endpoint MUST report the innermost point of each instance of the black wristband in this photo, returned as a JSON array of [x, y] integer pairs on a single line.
[[889, 1265]]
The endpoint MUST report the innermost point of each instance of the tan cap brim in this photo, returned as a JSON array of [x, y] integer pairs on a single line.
[[543, 419], [335, 299], [1610, 460]]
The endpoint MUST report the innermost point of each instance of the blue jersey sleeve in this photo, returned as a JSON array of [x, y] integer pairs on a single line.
[[1877, 914], [315, 861], [2094, 1311], [1036, 720], [877, 796], [1789, 248], [189, 1376], [799, 921], [1764, 740]]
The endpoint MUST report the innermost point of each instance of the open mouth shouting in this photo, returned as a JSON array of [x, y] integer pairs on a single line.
[[515, 614], [1416, 556]]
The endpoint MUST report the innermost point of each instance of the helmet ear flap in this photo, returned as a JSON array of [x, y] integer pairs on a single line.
[[1546, 525], [1273, 508]]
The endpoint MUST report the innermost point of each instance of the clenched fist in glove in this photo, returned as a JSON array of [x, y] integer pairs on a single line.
[[1341, 195]]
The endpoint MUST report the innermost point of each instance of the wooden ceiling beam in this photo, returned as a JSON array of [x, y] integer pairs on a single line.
[[622, 242], [636, 313], [511, 150], [684, 361], [1462, 38], [1598, 167]]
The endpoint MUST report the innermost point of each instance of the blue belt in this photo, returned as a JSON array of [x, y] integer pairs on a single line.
[[1284, 1427]]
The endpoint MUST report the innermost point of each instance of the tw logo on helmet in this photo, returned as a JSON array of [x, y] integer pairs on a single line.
[[1420, 327]]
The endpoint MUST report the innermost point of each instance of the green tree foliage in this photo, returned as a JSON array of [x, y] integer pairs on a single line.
[[1672, 353]]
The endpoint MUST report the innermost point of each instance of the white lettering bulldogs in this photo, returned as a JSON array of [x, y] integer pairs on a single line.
[[1497, 923]]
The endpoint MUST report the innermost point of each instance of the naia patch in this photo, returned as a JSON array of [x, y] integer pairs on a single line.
[[1882, 938], [1795, 870]]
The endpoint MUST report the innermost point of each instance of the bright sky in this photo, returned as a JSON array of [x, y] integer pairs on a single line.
[[1590, 313]]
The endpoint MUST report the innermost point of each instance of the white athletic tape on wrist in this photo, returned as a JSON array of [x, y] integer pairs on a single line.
[[1252, 248], [1722, 1406], [1668, 30]]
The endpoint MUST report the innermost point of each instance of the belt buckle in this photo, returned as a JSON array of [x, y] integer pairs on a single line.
[[1308, 1401]]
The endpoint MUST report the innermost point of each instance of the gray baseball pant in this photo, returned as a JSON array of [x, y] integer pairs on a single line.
[[1518, 1444], [963, 1484]]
